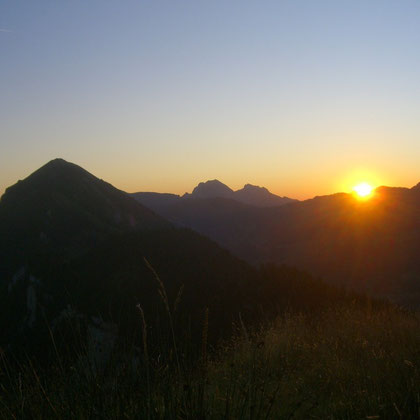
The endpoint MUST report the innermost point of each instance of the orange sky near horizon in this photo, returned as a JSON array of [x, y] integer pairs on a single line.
[[131, 179]]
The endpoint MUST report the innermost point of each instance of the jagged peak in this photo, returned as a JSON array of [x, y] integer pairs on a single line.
[[250, 187], [212, 182], [212, 188]]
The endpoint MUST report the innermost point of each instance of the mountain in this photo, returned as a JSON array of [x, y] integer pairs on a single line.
[[62, 205], [152, 199], [416, 187], [232, 224], [214, 189], [74, 249], [370, 246], [260, 197], [48, 220]]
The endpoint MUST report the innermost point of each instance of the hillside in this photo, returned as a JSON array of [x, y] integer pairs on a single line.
[[109, 311], [74, 246], [343, 364], [370, 245], [71, 240], [63, 206]]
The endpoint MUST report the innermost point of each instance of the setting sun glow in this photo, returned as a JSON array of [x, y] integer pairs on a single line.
[[363, 190]]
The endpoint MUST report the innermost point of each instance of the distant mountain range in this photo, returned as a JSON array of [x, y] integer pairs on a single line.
[[73, 247], [371, 246], [249, 194]]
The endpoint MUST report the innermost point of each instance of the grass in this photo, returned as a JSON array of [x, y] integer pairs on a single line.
[[342, 364]]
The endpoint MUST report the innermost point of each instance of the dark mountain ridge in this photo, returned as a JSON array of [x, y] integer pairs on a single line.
[[249, 194], [63, 201], [73, 248], [368, 245], [211, 189]]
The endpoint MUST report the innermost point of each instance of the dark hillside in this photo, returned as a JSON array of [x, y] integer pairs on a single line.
[[370, 246], [62, 206], [73, 246]]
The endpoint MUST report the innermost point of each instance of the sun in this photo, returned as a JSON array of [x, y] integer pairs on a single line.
[[363, 190]]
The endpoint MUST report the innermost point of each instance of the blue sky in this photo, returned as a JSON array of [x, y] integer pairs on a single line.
[[304, 97]]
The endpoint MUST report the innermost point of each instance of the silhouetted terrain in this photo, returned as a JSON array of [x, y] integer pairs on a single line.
[[63, 207], [367, 245], [249, 194], [109, 311], [74, 246]]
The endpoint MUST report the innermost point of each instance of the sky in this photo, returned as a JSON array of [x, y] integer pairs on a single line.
[[303, 97]]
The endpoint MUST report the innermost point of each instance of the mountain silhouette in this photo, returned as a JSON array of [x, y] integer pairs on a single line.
[[62, 204], [71, 240], [75, 248], [370, 246], [152, 199], [416, 187], [212, 189], [249, 194], [260, 197]]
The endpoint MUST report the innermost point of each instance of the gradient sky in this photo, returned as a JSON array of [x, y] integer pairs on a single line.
[[303, 97]]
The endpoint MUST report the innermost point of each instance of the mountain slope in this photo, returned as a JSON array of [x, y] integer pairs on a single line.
[[232, 224], [73, 248], [260, 197], [212, 189], [61, 204], [154, 200], [368, 245], [50, 219]]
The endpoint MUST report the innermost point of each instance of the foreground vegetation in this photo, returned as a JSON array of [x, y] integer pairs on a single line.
[[340, 364]]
